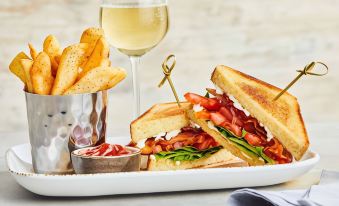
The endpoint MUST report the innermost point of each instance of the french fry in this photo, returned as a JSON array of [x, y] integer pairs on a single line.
[[100, 52], [16, 68], [91, 36], [32, 51], [27, 66], [41, 74], [80, 68], [120, 74], [52, 47], [105, 62], [95, 80], [72, 57], [57, 59]]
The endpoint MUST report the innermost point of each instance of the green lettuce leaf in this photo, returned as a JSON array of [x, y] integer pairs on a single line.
[[243, 145], [187, 153], [225, 132]]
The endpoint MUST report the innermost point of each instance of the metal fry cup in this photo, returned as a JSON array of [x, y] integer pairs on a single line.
[[60, 124]]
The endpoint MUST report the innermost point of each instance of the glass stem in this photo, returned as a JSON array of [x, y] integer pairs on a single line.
[[135, 62]]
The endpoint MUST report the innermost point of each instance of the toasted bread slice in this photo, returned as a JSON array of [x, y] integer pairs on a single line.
[[222, 158], [168, 117], [159, 118], [252, 159], [282, 117]]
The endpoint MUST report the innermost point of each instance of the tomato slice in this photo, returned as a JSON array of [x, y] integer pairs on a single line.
[[253, 139], [235, 129], [212, 104], [227, 113], [195, 98], [217, 118], [203, 115]]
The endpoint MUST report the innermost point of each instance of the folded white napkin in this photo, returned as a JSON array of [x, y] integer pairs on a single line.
[[326, 193]]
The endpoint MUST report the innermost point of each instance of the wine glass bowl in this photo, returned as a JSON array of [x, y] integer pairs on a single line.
[[134, 27], [134, 31]]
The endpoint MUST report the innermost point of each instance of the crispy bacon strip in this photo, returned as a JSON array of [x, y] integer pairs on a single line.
[[188, 136], [225, 114]]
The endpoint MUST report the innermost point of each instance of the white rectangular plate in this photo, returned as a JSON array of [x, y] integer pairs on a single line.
[[19, 164]]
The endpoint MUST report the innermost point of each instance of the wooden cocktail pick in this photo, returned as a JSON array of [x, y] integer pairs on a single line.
[[306, 71], [167, 72]]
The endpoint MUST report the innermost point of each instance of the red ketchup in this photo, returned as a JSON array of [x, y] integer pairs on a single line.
[[105, 150]]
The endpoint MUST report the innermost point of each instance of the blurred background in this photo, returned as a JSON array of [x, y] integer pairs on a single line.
[[266, 39]]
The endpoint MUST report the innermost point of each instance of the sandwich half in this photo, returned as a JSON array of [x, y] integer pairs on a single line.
[[241, 115], [170, 141]]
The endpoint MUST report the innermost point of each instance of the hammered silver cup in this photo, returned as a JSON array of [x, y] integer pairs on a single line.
[[60, 124]]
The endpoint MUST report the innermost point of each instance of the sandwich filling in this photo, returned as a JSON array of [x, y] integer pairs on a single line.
[[224, 114], [189, 144]]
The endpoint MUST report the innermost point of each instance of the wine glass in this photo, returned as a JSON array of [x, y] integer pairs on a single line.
[[134, 27]]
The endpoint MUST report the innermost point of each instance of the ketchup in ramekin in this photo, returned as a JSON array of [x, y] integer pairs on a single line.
[[106, 158], [105, 149]]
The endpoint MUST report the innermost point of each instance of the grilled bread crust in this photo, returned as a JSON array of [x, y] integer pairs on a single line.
[[160, 118], [282, 117], [222, 158]]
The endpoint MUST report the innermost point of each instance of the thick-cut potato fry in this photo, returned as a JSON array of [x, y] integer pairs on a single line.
[[105, 62], [120, 74], [57, 59], [32, 51], [100, 52], [91, 36], [16, 68], [27, 66], [95, 80], [41, 74], [52, 47], [72, 57], [80, 68]]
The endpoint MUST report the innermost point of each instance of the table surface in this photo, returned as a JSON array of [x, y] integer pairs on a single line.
[[324, 139]]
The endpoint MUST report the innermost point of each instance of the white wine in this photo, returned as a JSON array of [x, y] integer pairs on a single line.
[[134, 30]]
